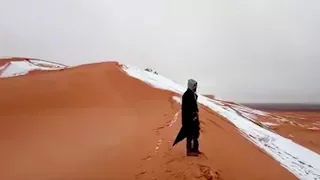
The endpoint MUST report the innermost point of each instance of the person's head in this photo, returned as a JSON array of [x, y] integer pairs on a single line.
[[192, 85]]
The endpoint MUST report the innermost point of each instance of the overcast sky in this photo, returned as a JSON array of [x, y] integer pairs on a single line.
[[248, 50]]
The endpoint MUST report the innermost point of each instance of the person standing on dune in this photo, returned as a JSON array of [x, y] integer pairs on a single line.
[[190, 118]]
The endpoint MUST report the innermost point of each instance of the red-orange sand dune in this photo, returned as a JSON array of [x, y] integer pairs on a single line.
[[95, 122]]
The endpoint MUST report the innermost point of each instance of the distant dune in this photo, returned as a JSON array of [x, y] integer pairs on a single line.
[[209, 96], [115, 121], [284, 106]]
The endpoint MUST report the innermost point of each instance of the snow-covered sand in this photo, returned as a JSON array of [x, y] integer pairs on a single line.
[[24, 66]]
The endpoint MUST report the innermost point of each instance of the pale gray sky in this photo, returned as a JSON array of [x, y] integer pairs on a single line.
[[248, 50]]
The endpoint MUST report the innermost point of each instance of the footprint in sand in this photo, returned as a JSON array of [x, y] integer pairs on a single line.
[[147, 158], [137, 176], [183, 167], [192, 171], [208, 174]]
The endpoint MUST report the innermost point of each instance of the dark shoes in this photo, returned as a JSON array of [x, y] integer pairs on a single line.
[[192, 154], [196, 153], [199, 152]]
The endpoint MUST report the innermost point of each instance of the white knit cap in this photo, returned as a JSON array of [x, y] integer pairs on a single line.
[[192, 85]]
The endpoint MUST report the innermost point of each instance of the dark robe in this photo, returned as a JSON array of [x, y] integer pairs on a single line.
[[190, 120]]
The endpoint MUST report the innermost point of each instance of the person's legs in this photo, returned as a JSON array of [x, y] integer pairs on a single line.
[[189, 143], [195, 144], [195, 140], [190, 151]]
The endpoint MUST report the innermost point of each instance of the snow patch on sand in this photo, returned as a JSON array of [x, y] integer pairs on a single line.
[[302, 162], [47, 64], [316, 123], [174, 119], [158, 145], [269, 124], [177, 99], [17, 68], [152, 79], [4, 66], [249, 110], [314, 128]]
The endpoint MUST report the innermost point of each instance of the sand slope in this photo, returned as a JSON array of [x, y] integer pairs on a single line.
[[96, 122]]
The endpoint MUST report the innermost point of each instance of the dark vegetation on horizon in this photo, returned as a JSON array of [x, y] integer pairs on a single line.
[[283, 106]]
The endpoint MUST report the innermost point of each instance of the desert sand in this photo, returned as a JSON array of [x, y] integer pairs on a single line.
[[96, 122]]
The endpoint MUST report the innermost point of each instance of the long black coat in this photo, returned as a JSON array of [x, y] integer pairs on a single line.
[[189, 112]]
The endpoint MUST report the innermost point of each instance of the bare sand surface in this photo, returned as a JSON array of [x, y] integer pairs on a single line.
[[94, 122]]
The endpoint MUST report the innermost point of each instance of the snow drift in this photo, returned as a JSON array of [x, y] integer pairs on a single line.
[[20, 66]]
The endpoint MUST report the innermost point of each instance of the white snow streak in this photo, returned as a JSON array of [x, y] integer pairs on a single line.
[[158, 145], [269, 124], [48, 64], [174, 119], [302, 162], [177, 99], [16, 68], [171, 124], [314, 128], [4, 66]]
